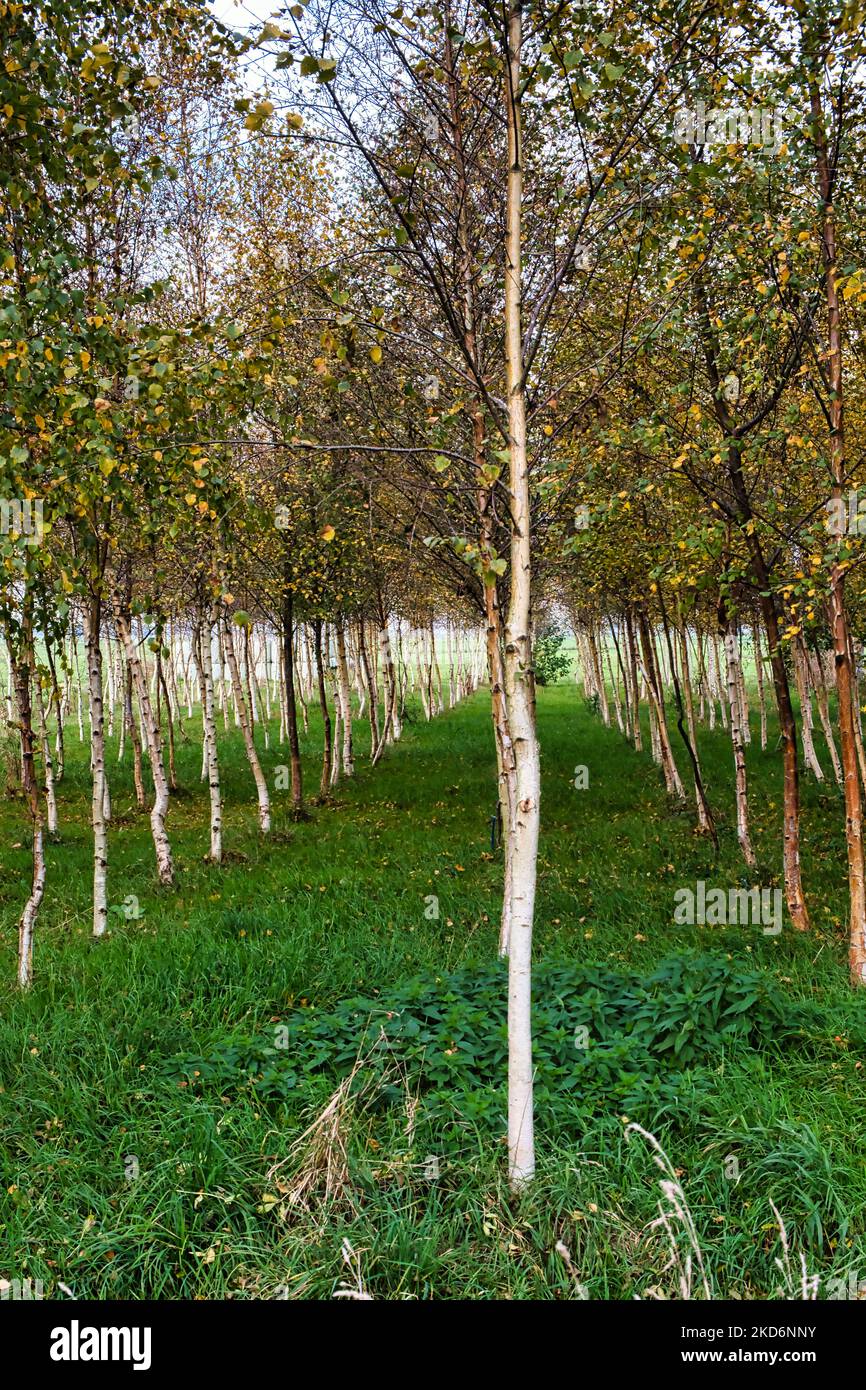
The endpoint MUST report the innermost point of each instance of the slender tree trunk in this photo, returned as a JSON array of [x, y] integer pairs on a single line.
[[505, 763], [345, 693], [635, 683], [706, 823], [858, 729], [720, 683], [246, 728], [742, 696], [759, 673], [519, 675], [76, 666], [291, 704], [50, 794], [159, 811], [202, 653], [687, 681], [162, 685], [623, 713], [372, 691], [327, 747], [791, 777], [815, 672], [673, 782], [837, 611], [389, 675], [135, 737], [21, 670], [751, 539], [93, 621], [338, 717], [598, 674], [732, 658], [614, 686], [801, 676], [58, 708]]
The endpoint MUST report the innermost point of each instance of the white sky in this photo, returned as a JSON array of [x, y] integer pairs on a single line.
[[240, 14], [246, 15]]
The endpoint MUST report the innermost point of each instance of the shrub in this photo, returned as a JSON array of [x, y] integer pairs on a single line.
[[550, 661]]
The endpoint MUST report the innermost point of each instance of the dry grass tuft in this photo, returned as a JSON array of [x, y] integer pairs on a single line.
[[315, 1172]]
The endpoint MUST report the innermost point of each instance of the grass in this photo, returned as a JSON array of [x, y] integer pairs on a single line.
[[121, 1181]]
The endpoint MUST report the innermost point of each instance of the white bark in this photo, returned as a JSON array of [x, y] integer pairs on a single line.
[[21, 670], [736, 711], [97, 742], [345, 695], [150, 729], [519, 680], [243, 719], [204, 664], [809, 754], [50, 793]]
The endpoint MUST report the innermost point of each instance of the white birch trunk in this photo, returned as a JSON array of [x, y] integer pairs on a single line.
[[150, 729], [736, 712], [241, 708], [97, 741], [203, 655], [519, 679]]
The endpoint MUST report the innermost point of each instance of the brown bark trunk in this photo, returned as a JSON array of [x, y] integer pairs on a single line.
[[837, 611]]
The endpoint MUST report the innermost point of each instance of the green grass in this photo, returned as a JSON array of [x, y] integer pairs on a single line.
[[333, 908]]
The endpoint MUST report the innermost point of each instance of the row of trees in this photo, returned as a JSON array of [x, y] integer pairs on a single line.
[[470, 310], [232, 671]]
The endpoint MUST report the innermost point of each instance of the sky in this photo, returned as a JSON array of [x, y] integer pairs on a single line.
[[246, 15]]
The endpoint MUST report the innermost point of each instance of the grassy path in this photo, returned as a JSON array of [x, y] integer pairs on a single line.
[[120, 1182]]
